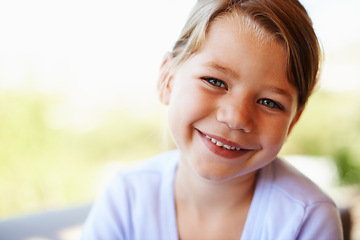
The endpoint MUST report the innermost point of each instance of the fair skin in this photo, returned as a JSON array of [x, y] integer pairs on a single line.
[[231, 108]]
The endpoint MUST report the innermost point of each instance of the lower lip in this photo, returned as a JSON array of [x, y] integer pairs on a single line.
[[221, 151]]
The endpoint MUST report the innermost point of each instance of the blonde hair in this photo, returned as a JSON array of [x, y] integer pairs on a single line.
[[287, 21]]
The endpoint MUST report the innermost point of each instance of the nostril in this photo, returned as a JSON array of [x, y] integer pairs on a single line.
[[244, 129], [236, 118]]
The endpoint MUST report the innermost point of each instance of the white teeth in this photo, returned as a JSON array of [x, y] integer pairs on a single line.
[[222, 145]]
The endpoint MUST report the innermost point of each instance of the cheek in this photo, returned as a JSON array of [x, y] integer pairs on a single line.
[[181, 111], [188, 99], [275, 135]]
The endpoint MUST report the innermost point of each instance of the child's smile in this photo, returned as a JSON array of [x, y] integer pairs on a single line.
[[223, 147], [231, 105], [236, 82]]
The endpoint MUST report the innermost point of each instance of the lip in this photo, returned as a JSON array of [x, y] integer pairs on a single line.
[[221, 151], [223, 140]]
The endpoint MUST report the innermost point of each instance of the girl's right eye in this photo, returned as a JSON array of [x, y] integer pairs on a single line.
[[216, 82]]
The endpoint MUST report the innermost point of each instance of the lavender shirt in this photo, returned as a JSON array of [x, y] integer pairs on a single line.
[[139, 204]]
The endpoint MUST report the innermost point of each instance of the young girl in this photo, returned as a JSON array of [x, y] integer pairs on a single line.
[[236, 83]]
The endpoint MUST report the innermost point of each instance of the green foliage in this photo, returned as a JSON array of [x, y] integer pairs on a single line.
[[330, 126], [41, 166]]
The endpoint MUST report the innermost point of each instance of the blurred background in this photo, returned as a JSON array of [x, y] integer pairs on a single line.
[[78, 96]]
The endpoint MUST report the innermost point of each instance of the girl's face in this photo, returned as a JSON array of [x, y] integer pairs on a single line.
[[231, 105]]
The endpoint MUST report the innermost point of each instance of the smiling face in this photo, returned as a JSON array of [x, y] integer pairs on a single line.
[[231, 105]]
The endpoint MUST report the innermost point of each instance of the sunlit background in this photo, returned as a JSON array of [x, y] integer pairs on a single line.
[[78, 94]]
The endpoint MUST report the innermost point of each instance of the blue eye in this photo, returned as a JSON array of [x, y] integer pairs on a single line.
[[270, 103], [216, 82]]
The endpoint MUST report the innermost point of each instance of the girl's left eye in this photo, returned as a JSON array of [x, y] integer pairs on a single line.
[[216, 82], [270, 103]]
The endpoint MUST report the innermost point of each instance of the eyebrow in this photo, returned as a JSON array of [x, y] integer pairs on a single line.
[[232, 73], [280, 91], [222, 69]]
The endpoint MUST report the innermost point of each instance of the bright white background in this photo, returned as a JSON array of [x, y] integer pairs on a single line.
[[101, 55]]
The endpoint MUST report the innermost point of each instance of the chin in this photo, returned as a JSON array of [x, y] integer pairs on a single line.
[[216, 174]]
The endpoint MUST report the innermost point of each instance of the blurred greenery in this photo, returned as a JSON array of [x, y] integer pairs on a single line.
[[42, 166], [330, 126], [45, 167]]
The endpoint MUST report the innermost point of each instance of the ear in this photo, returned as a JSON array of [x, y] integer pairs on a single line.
[[296, 118], [165, 81]]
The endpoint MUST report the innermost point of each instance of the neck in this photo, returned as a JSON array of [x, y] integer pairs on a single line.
[[202, 194]]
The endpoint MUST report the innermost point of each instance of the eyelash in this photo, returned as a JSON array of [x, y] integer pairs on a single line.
[[213, 81], [264, 101], [270, 103]]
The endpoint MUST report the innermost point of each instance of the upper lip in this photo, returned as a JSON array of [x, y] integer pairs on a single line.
[[224, 141]]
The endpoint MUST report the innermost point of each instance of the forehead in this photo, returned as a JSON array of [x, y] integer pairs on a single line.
[[244, 24], [230, 36], [242, 50]]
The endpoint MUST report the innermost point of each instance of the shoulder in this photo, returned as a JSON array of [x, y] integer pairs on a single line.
[[136, 202], [293, 184], [296, 206], [148, 174]]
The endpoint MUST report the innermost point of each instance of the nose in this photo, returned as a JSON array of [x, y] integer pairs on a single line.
[[238, 115]]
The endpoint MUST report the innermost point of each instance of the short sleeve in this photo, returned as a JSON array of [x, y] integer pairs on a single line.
[[109, 215], [322, 222]]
